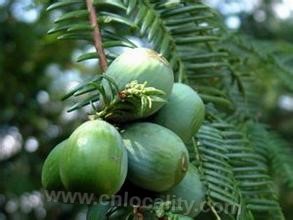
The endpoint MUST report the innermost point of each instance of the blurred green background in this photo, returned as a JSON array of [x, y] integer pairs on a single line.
[[36, 70]]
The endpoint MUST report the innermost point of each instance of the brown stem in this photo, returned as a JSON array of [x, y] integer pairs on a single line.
[[97, 35]]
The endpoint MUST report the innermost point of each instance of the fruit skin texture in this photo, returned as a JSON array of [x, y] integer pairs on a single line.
[[50, 172], [142, 65], [98, 211], [184, 112], [94, 159], [157, 157], [190, 191]]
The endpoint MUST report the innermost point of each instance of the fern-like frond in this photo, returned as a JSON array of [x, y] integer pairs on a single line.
[[267, 203], [247, 159], [73, 24], [268, 59], [250, 167], [184, 32], [212, 161], [276, 150]]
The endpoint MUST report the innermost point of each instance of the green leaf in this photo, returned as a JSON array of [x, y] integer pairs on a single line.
[[63, 4], [182, 10], [113, 4], [87, 56], [107, 17], [73, 15], [199, 39]]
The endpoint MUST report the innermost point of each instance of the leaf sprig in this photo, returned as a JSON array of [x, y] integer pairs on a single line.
[[92, 92], [135, 98], [135, 92]]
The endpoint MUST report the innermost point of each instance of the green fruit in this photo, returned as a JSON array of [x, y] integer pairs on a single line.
[[158, 158], [94, 159], [184, 112], [50, 172], [188, 194], [101, 211], [142, 65], [98, 211]]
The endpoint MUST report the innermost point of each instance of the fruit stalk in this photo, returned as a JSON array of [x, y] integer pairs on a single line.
[[97, 38]]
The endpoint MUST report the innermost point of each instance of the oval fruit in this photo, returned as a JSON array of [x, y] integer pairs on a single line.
[[184, 112], [94, 159], [50, 172], [188, 194], [142, 65], [158, 159]]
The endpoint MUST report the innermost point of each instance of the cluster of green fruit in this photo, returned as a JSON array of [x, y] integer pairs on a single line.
[[148, 149]]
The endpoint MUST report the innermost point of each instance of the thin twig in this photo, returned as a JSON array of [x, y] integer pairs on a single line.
[[214, 211], [97, 35]]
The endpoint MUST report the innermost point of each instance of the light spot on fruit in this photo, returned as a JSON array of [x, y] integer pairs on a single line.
[[184, 163], [82, 141], [116, 157]]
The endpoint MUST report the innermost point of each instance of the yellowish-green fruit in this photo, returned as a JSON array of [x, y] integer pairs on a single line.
[[94, 159], [158, 159], [184, 112], [141, 65], [50, 172]]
